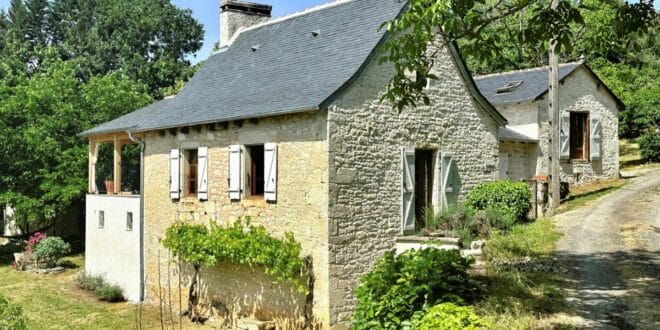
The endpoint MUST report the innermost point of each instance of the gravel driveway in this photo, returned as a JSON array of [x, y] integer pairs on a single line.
[[611, 250]]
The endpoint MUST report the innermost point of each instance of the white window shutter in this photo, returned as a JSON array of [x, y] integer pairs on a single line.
[[565, 135], [408, 190], [202, 173], [234, 172], [595, 138], [270, 172], [449, 192], [175, 174]]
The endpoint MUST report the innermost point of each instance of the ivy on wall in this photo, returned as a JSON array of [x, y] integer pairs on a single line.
[[240, 243]]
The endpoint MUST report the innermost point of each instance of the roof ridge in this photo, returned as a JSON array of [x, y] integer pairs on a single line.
[[539, 68]]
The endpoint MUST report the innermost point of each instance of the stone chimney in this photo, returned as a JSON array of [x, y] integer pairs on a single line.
[[235, 15]]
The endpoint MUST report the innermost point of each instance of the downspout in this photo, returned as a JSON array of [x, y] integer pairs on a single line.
[[142, 146]]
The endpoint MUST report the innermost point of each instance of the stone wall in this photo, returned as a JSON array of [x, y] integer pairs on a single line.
[[301, 208], [365, 141], [581, 92]]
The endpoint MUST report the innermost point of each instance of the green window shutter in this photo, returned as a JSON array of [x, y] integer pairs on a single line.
[[595, 138], [565, 135], [408, 190]]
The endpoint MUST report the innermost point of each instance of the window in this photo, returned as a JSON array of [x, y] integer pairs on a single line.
[[129, 221], [579, 135], [423, 185], [509, 87], [255, 170], [101, 219], [190, 171]]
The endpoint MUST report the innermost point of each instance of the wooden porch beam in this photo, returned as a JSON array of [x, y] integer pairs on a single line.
[[117, 165]]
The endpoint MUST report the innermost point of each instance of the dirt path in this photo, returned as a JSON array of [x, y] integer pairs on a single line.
[[611, 250]]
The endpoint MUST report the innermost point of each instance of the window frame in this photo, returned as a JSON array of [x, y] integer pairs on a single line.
[[579, 118], [254, 165], [129, 221], [190, 161], [101, 219]]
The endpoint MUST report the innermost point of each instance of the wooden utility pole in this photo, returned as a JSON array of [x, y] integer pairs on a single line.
[[553, 122]]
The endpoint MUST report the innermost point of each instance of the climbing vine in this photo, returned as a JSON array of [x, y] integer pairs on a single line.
[[240, 243]]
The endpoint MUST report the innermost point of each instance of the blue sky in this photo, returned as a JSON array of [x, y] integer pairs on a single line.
[[207, 13]]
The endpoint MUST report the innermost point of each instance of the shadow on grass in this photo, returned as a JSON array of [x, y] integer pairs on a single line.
[[592, 194]]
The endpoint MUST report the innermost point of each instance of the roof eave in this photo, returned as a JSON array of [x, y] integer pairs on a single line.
[[472, 86]]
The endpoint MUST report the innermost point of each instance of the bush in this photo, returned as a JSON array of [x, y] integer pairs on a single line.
[[500, 219], [649, 146], [103, 290], [510, 197], [49, 250], [110, 293], [88, 282], [448, 316], [401, 285], [11, 315]]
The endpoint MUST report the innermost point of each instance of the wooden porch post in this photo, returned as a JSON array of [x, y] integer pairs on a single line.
[[117, 165], [91, 170]]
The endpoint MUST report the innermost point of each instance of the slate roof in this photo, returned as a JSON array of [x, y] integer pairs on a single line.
[[287, 65], [534, 83], [519, 133]]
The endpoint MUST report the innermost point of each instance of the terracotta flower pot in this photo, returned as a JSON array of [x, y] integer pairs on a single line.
[[110, 187]]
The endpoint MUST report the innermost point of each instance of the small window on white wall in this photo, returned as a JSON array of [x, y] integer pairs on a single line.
[[129, 221], [101, 219]]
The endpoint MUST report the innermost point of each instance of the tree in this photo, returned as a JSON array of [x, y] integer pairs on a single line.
[[148, 39], [495, 35], [43, 160]]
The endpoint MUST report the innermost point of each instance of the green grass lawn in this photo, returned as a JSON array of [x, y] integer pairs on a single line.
[[55, 302], [515, 298], [630, 158]]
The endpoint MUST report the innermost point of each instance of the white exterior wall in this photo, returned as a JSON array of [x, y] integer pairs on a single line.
[[122, 266], [521, 159], [521, 113], [365, 166], [580, 91]]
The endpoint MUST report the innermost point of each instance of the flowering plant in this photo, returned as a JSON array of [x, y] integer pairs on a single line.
[[34, 240]]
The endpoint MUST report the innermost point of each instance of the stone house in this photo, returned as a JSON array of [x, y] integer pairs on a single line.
[[285, 124], [589, 123]]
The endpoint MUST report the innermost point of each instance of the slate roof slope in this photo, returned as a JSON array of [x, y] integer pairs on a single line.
[[535, 83], [291, 70], [287, 65]]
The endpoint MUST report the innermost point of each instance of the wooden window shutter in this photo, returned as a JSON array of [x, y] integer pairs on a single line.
[[175, 174], [408, 190], [595, 138], [270, 172], [202, 173], [565, 135], [234, 172], [449, 191]]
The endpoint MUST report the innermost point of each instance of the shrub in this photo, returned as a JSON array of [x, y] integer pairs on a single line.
[[513, 198], [400, 285], [500, 219], [88, 282], [649, 146], [448, 316], [110, 293], [11, 315], [50, 250]]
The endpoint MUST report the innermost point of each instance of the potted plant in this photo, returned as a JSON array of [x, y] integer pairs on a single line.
[[109, 186]]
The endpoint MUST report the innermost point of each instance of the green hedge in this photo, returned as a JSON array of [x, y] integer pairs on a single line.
[[400, 286], [508, 197], [649, 146]]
